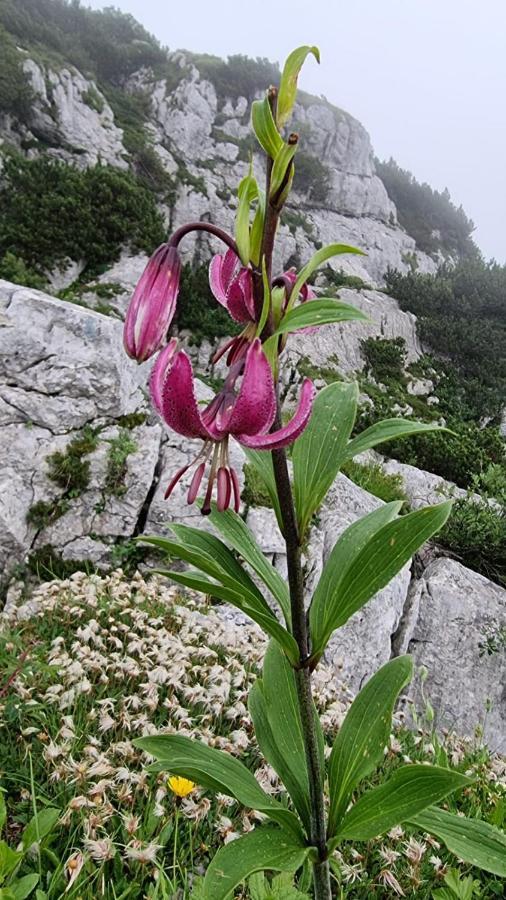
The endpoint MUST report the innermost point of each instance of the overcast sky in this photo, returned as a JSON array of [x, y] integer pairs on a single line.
[[427, 78]]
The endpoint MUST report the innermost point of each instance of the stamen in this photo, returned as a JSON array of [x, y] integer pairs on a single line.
[[206, 508], [196, 482], [236, 488], [224, 489], [177, 477]]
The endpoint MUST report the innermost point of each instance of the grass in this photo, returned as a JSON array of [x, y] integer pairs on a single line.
[[372, 478], [254, 492], [106, 659]]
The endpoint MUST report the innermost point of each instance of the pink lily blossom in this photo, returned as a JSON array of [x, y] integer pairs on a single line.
[[246, 413], [153, 304], [232, 285]]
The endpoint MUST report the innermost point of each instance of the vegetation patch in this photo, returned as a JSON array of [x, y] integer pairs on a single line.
[[114, 210], [311, 177], [384, 357], [120, 449], [327, 373], [172, 662], [372, 478], [237, 76], [198, 310], [476, 534], [254, 492], [429, 216]]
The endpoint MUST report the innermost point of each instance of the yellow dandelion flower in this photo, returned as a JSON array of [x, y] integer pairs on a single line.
[[181, 787]]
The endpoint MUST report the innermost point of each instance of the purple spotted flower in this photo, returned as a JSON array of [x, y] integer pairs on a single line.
[[153, 304], [244, 409]]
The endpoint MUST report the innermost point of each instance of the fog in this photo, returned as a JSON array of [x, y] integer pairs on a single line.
[[427, 78]]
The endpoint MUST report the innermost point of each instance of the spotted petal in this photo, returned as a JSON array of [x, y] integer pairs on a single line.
[[290, 432], [179, 403], [159, 373], [222, 270], [255, 407]]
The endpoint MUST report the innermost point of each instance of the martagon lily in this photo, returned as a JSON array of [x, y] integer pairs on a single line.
[[245, 409], [153, 304]]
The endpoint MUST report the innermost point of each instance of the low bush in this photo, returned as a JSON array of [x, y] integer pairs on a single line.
[[88, 215], [476, 534], [384, 357], [372, 478], [198, 310]]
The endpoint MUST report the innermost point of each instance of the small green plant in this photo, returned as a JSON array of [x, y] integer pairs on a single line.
[[385, 357], [340, 279], [254, 492], [327, 373], [372, 478], [280, 888], [13, 885], [457, 887], [69, 469], [476, 534], [12, 268], [93, 99], [44, 513], [120, 449]]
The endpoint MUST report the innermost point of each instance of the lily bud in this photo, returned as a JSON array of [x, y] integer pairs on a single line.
[[153, 304]]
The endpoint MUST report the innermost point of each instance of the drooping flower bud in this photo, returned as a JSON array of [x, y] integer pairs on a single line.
[[153, 304]]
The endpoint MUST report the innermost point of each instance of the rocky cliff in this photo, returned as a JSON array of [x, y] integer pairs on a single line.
[[202, 142], [86, 463]]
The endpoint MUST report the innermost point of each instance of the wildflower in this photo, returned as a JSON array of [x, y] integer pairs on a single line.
[[73, 866], [232, 285], [153, 304], [100, 850], [142, 853], [389, 855], [414, 850], [389, 880], [246, 414], [181, 787]]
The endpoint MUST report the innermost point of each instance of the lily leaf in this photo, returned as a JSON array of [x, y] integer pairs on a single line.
[[255, 610], [264, 848], [387, 430], [261, 460], [239, 536], [265, 128], [318, 452], [275, 712], [281, 164], [363, 736], [407, 792], [217, 771], [345, 550], [288, 84], [317, 260], [322, 311], [369, 570], [248, 191], [473, 840]]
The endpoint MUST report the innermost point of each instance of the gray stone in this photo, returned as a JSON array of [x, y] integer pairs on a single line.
[[420, 387], [453, 612], [423, 488]]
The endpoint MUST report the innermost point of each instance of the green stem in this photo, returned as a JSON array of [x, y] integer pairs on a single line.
[[321, 871]]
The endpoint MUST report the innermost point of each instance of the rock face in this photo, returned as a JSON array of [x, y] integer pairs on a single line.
[[64, 378], [69, 110], [453, 626], [203, 142]]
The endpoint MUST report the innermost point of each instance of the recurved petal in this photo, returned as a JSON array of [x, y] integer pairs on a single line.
[[153, 304], [222, 269], [255, 407], [159, 373], [290, 432], [179, 405]]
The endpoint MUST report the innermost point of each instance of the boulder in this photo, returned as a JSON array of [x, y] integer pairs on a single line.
[[454, 625]]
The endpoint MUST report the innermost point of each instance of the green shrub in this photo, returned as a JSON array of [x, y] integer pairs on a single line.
[[476, 534], [12, 268], [254, 492], [238, 76], [340, 279], [120, 449], [15, 90], [427, 215], [87, 214], [198, 310], [311, 177], [462, 317], [93, 99], [385, 357], [372, 478]]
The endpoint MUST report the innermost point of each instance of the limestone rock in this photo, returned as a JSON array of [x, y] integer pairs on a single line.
[[423, 488], [61, 366], [455, 615], [71, 111], [338, 347]]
